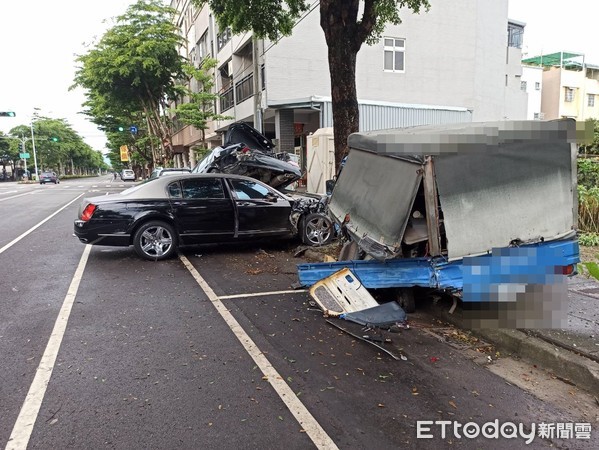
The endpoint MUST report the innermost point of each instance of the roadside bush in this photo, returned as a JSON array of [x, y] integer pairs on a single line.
[[588, 172], [588, 210], [588, 239]]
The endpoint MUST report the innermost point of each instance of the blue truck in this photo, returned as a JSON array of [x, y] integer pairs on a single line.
[[484, 211]]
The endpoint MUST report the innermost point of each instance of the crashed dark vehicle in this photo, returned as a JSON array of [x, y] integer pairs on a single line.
[[249, 153], [484, 211], [158, 216]]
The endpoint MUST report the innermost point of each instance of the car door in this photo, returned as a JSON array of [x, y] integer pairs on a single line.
[[261, 211], [203, 209]]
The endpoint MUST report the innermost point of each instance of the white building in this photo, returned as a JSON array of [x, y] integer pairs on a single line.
[[448, 65], [532, 84]]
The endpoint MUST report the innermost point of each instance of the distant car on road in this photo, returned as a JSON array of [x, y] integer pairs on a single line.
[[159, 215], [160, 172], [49, 177], [127, 175]]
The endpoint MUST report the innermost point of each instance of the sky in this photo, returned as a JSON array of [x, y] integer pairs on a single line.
[[40, 38], [38, 43]]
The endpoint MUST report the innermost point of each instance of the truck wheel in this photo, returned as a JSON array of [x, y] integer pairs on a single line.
[[405, 298]]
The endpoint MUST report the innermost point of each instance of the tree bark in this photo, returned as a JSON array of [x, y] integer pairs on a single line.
[[338, 21]]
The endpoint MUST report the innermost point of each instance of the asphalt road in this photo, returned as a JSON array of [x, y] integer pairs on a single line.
[[212, 350]]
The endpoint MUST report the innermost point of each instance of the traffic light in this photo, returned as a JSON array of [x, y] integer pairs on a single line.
[[7, 114], [54, 139], [21, 147], [121, 128]]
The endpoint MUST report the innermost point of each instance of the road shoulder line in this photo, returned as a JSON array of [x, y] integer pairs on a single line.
[[308, 423], [261, 294]]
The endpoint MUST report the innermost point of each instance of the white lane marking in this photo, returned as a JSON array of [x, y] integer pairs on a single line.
[[260, 294], [17, 239], [15, 196], [21, 432], [308, 423]]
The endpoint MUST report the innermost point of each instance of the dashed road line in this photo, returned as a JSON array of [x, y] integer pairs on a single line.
[[15, 196], [33, 228], [308, 423]]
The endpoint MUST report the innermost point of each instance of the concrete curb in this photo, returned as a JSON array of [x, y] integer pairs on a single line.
[[565, 364]]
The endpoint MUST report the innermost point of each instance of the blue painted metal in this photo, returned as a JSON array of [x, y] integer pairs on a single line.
[[526, 264]]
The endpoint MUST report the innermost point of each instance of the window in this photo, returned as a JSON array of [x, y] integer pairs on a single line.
[[569, 95], [223, 38], [202, 47], [523, 85], [203, 188], [591, 100], [394, 50], [247, 189], [537, 86], [515, 33]]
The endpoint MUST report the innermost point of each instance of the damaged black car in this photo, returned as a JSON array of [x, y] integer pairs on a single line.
[[248, 152]]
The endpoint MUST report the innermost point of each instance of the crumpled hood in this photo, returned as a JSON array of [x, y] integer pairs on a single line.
[[247, 152], [241, 132]]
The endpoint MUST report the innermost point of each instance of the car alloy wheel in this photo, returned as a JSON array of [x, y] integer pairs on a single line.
[[155, 241], [317, 230]]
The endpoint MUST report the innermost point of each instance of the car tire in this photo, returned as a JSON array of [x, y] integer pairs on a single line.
[[155, 241], [317, 230], [405, 298]]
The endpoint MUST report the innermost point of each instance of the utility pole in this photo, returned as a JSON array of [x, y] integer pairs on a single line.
[[257, 85]]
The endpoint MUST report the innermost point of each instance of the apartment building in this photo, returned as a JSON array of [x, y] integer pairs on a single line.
[[570, 86], [457, 63], [532, 84]]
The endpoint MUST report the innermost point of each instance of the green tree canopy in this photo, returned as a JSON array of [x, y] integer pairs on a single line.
[[130, 78]]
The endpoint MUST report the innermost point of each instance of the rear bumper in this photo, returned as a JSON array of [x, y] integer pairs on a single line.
[[100, 236]]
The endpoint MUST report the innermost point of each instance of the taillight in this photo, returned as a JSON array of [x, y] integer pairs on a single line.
[[565, 270], [88, 212], [246, 150]]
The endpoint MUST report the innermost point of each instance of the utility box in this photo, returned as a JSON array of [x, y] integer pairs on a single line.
[[320, 159]]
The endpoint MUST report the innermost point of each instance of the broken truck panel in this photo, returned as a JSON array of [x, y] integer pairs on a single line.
[[532, 264], [376, 195], [477, 186], [341, 293]]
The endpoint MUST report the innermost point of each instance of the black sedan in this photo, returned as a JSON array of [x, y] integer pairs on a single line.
[[158, 216]]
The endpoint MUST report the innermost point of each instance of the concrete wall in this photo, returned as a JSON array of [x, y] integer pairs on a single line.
[[455, 55], [552, 94]]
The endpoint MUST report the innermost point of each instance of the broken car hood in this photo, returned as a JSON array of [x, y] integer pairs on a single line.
[[241, 132], [247, 152]]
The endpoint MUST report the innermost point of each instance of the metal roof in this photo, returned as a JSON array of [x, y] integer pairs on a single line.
[[559, 59]]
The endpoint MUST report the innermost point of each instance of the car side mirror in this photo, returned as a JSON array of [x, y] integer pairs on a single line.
[[271, 198], [329, 185]]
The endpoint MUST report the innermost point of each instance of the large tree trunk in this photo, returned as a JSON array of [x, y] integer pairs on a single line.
[[343, 46]]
